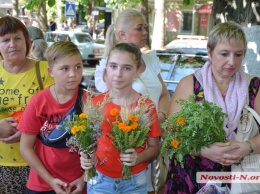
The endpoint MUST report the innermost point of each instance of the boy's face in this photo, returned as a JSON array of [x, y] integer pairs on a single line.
[[121, 70], [67, 72]]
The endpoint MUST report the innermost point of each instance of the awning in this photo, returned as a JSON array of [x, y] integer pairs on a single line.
[[205, 9]]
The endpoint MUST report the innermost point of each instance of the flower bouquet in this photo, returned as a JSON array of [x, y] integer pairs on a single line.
[[196, 125], [130, 129], [85, 130]]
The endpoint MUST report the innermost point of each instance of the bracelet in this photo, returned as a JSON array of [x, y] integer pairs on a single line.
[[251, 150], [163, 114]]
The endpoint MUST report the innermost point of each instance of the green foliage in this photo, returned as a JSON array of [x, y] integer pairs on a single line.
[[188, 2], [125, 3], [34, 4], [196, 125]]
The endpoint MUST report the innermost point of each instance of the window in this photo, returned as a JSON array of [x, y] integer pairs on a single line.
[[186, 22]]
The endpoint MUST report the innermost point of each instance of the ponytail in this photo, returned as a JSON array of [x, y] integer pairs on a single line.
[[110, 41]]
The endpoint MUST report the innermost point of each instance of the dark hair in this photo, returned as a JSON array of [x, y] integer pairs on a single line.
[[60, 50], [130, 48], [9, 24]]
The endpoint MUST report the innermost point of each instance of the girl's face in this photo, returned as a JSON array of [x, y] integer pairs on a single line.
[[13, 46], [137, 33], [121, 70], [67, 72], [227, 58]]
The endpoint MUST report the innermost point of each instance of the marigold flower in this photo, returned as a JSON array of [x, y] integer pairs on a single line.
[[114, 112], [175, 143], [82, 116], [130, 117], [181, 120], [121, 126], [134, 125], [136, 119], [74, 130]]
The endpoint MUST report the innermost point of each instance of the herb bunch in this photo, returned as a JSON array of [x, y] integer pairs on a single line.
[[196, 125]]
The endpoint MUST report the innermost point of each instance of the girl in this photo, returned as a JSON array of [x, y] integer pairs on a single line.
[[122, 68]]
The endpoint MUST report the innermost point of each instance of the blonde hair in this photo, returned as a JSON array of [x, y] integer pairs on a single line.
[[60, 50], [122, 23], [39, 46], [130, 48], [226, 31]]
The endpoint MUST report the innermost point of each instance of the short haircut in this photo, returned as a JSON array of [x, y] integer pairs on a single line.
[[226, 31], [60, 50]]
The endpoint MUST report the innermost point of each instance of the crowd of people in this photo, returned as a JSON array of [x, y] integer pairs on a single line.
[[42, 88]]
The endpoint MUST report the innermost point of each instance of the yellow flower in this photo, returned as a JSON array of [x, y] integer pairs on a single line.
[[181, 120], [74, 130], [200, 94], [175, 143], [82, 116], [114, 112]]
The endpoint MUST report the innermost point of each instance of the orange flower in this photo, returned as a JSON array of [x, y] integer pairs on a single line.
[[114, 112], [175, 143], [130, 117], [134, 125], [82, 116], [74, 130], [181, 120]]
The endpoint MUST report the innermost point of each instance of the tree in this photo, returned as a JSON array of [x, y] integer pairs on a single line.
[[246, 13], [158, 31]]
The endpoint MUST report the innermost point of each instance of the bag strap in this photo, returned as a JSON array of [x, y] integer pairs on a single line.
[[254, 113], [38, 74]]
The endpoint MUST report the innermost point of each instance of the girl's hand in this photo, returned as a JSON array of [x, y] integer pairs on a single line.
[[130, 158], [87, 163], [222, 153]]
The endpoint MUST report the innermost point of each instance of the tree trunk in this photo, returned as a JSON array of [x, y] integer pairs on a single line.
[[158, 30], [16, 9], [246, 13], [145, 12], [252, 58], [42, 17]]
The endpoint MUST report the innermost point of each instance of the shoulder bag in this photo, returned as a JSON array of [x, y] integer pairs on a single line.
[[248, 127], [57, 138]]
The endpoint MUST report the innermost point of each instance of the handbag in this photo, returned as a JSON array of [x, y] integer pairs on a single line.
[[248, 127], [159, 171], [57, 138]]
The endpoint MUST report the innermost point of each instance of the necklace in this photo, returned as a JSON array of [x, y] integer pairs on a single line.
[[18, 69], [56, 94]]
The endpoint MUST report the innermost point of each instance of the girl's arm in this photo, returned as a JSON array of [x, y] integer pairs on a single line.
[[27, 150]]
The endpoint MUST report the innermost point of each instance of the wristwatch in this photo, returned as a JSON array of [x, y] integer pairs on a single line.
[[251, 149]]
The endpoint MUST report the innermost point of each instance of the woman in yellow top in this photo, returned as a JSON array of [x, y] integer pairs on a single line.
[[18, 83]]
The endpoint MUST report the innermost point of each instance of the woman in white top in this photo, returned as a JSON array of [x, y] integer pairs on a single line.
[[130, 27]]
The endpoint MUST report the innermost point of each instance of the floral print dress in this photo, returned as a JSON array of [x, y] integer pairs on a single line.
[[183, 180]]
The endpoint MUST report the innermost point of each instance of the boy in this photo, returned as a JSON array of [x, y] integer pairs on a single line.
[[53, 168]]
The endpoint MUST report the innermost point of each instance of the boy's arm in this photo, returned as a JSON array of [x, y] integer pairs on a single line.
[[27, 150]]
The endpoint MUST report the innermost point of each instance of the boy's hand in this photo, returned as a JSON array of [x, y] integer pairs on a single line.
[[59, 186], [77, 186]]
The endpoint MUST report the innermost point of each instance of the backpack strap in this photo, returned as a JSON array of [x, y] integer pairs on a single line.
[[38, 74]]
